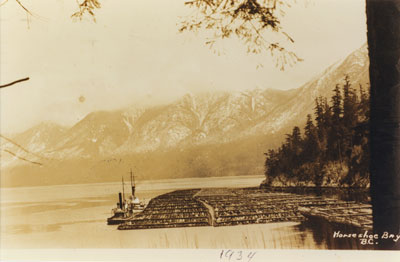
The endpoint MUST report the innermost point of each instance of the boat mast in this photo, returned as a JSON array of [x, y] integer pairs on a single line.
[[133, 184], [123, 188]]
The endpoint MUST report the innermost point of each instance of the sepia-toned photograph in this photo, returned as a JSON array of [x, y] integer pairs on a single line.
[[227, 125]]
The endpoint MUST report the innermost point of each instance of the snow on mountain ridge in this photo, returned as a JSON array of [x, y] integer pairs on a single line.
[[208, 118]]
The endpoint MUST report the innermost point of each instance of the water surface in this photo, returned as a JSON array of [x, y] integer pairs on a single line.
[[74, 216]]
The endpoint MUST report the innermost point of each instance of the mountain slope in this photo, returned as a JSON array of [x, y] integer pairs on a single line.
[[98, 133], [197, 135], [293, 111], [33, 145]]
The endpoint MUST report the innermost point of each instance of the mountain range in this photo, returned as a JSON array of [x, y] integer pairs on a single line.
[[209, 134]]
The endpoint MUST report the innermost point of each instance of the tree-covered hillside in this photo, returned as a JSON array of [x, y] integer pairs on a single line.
[[334, 149]]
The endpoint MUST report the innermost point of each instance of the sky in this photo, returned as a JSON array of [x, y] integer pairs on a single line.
[[134, 56]]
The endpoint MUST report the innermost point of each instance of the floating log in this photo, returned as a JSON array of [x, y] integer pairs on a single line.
[[239, 206], [357, 215], [175, 209]]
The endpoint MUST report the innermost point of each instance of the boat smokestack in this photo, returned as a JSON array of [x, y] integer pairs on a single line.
[[120, 200], [133, 191]]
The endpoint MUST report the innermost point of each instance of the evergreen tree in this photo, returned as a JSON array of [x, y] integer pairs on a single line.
[[340, 134], [336, 129], [311, 149], [349, 117], [336, 105]]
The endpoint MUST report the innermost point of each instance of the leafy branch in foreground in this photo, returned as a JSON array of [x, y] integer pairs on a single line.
[[255, 22], [87, 6]]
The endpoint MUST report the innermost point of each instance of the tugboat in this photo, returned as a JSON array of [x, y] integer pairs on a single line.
[[126, 208]]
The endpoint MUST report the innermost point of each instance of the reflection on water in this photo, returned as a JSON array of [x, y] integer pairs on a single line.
[[27, 229], [322, 233], [26, 208], [75, 217], [321, 230]]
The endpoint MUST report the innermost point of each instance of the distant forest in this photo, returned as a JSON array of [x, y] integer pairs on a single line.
[[334, 149]]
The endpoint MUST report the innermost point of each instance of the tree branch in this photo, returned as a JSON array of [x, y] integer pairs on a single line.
[[17, 81], [3, 2], [22, 158], [23, 7]]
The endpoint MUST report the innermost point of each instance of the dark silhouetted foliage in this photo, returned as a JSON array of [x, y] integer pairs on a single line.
[[338, 140]]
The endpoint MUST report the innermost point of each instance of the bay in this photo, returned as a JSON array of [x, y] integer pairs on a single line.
[[74, 216]]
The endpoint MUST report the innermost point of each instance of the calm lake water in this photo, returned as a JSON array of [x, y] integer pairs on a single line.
[[74, 216]]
